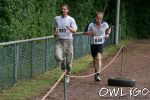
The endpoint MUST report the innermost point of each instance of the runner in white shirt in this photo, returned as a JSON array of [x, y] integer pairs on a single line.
[[98, 31], [65, 27]]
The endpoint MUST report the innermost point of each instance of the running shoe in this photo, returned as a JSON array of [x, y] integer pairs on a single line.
[[97, 77]]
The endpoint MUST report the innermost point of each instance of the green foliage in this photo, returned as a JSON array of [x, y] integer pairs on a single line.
[[81, 10], [26, 18], [137, 17], [4, 21], [22, 19], [142, 19], [123, 21], [30, 18]]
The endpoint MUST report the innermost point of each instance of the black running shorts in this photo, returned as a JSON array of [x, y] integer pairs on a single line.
[[96, 48]]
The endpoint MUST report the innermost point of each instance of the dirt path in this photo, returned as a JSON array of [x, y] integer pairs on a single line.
[[136, 65]]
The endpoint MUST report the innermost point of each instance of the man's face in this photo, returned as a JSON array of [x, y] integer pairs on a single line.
[[99, 18], [64, 10]]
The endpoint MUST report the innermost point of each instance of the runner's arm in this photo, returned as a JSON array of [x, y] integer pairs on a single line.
[[107, 32], [55, 32]]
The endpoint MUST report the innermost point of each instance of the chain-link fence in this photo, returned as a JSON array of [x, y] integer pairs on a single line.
[[26, 58]]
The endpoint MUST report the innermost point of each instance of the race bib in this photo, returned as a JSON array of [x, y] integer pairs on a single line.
[[98, 40], [62, 30]]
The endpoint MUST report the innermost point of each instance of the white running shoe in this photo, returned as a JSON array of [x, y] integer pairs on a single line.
[[97, 77]]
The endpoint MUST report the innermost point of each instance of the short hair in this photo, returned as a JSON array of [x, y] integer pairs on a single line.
[[64, 5], [98, 12]]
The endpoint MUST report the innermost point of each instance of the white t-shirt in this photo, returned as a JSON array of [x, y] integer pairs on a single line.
[[61, 23], [99, 36]]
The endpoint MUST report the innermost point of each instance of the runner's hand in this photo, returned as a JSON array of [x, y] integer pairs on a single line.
[[68, 28], [107, 36], [56, 32], [93, 33]]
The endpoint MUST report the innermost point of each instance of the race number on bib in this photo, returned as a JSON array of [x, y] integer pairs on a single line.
[[62, 30], [98, 39]]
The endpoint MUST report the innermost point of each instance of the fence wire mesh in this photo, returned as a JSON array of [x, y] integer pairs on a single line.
[[25, 59], [6, 66]]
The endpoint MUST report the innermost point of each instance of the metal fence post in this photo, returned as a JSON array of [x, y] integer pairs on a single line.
[[32, 58], [122, 59], [113, 35], [46, 54], [16, 62], [117, 22], [65, 84]]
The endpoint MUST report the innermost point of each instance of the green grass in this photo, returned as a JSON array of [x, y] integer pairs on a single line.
[[27, 88], [81, 64]]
